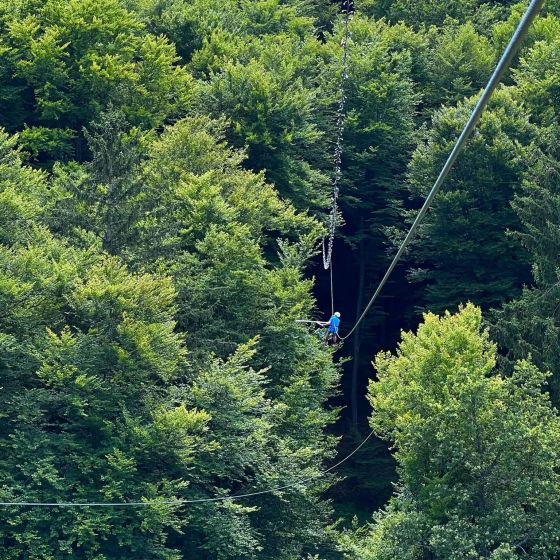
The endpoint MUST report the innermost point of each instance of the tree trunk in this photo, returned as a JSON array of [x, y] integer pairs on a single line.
[[357, 341]]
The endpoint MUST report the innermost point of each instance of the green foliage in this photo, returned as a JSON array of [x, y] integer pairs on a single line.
[[457, 249], [477, 453], [270, 97], [380, 123], [544, 28], [163, 178], [69, 60], [103, 402], [258, 65], [528, 326], [191, 25], [427, 12], [85, 415], [101, 196], [538, 81], [461, 63], [194, 187], [23, 192]]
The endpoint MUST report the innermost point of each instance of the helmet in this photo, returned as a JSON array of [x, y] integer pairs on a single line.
[[337, 314]]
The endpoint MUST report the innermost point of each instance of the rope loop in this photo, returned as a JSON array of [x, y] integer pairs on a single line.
[[337, 154]]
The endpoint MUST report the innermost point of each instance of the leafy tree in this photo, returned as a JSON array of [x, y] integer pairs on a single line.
[[425, 12], [194, 215], [272, 102], [82, 372], [461, 63], [544, 28], [192, 25], [463, 251], [537, 78], [187, 24], [69, 60], [215, 246], [212, 226], [24, 193], [258, 65], [477, 453]]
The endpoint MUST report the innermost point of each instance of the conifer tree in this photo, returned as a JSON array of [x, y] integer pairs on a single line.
[[528, 325]]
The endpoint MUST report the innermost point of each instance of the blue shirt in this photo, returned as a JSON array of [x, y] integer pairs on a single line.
[[334, 322]]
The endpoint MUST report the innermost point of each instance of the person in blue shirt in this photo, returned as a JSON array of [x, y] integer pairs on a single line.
[[332, 331]]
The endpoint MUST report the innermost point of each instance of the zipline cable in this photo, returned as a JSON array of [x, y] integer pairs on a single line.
[[503, 64], [337, 155]]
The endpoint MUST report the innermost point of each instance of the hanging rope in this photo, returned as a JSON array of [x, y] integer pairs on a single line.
[[337, 155], [503, 64], [332, 286]]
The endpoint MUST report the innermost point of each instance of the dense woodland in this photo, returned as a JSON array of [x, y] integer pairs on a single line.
[[165, 181]]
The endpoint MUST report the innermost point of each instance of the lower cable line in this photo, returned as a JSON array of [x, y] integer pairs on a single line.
[[180, 501], [503, 64]]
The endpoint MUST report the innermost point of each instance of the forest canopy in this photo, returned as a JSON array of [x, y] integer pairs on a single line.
[[166, 172]]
